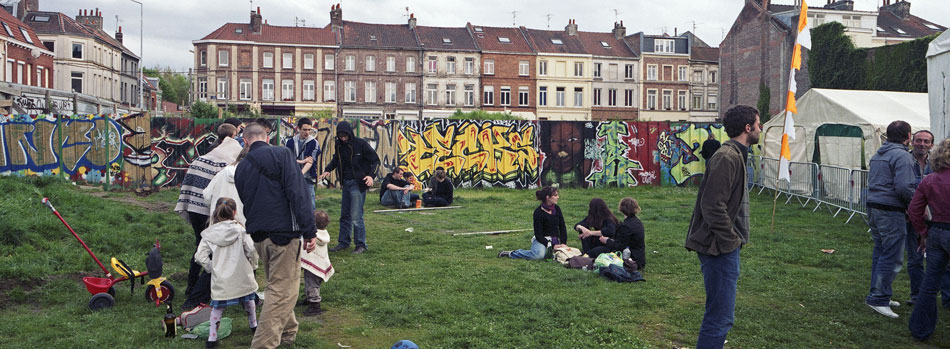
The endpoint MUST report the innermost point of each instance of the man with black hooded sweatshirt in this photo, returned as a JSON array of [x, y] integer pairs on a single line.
[[355, 162]]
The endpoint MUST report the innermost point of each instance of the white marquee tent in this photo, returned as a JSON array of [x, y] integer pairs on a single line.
[[938, 85], [840, 123]]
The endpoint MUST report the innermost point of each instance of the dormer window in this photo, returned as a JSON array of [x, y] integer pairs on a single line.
[[446, 41], [557, 42], [604, 44], [501, 39], [238, 31], [41, 18], [478, 29]]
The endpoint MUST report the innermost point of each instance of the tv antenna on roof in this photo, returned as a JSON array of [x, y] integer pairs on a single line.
[[117, 21], [407, 13], [549, 20], [514, 14], [616, 15]]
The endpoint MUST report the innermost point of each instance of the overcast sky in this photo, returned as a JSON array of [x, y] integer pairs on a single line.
[[170, 26]]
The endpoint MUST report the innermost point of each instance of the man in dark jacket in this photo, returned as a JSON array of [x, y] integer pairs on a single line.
[[720, 223], [891, 185], [278, 212], [304, 145], [355, 162]]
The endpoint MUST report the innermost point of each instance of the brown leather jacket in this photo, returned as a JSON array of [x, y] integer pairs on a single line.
[[720, 221]]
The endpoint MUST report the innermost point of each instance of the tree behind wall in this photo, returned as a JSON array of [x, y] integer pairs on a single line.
[[174, 85], [833, 61]]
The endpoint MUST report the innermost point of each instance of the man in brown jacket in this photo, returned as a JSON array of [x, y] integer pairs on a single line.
[[720, 223]]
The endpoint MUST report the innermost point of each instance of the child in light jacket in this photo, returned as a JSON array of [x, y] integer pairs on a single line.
[[316, 266], [231, 267]]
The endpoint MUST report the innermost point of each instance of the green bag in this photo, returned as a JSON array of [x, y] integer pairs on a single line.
[[224, 329], [606, 259]]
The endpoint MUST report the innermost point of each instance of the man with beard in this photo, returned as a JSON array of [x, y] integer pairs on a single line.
[[720, 223]]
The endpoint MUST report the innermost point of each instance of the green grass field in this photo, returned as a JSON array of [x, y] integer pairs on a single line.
[[444, 291]]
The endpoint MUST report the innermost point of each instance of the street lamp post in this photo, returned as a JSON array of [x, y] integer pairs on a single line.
[[141, 53]]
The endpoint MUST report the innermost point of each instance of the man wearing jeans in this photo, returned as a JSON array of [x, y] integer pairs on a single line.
[[720, 223], [891, 185], [923, 142], [305, 148], [395, 190], [355, 163]]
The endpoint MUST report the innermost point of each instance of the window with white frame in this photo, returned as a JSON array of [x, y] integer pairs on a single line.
[[222, 58], [433, 64], [77, 50], [75, 78], [370, 63], [350, 63], [628, 97], [668, 99], [489, 67], [222, 91], [469, 65], [369, 92], [628, 71], [651, 72], [697, 101], [681, 74], [432, 94], [391, 90], [488, 98], [202, 58], [450, 94], [267, 89], [597, 67], [287, 60], [523, 95], [597, 93], [202, 88], [268, 61], [698, 76], [308, 61], [411, 92], [712, 76], [329, 91], [328, 62], [559, 95], [391, 65], [469, 95], [711, 101], [349, 91], [504, 95], [542, 96], [651, 99], [450, 65], [287, 90], [663, 46], [523, 68], [411, 66], [543, 68], [681, 99], [245, 89], [39, 78], [578, 96], [309, 90], [612, 97], [578, 68]]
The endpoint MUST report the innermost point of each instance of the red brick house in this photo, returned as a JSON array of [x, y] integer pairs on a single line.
[[26, 60], [504, 53]]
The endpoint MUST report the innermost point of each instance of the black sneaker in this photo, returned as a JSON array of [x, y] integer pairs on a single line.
[[313, 309], [359, 250], [504, 254], [211, 344], [339, 247]]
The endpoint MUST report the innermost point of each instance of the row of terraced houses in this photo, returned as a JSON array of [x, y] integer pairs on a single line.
[[410, 71]]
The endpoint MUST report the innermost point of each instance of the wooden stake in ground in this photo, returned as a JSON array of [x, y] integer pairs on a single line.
[[496, 232], [415, 209]]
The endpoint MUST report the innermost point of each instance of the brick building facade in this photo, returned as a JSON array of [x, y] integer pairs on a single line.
[[508, 66]]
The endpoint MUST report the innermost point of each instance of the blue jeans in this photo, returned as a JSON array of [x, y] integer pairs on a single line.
[[888, 230], [394, 198], [924, 318], [351, 214], [536, 252], [915, 269], [720, 274], [313, 198]]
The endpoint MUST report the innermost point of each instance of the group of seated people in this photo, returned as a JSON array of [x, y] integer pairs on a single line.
[[396, 190], [600, 231]]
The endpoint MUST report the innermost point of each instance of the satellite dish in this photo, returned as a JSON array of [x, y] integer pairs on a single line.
[[35, 52]]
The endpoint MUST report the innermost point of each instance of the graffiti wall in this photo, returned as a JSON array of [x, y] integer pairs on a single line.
[[94, 149], [473, 153], [678, 150]]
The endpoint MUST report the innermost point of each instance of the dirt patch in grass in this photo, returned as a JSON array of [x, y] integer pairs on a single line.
[[130, 200], [16, 291]]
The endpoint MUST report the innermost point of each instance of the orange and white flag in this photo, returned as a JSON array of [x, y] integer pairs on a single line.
[[803, 40]]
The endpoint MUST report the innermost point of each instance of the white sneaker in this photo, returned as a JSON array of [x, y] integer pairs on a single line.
[[894, 304], [884, 310]]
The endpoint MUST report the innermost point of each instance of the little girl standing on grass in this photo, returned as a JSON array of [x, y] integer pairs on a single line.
[[231, 268]]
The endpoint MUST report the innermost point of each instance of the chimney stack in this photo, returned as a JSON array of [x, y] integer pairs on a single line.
[[256, 23], [118, 35], [90, 18], [412, 21], [619, 30], [571, 27], [336, 17], [901, 9]]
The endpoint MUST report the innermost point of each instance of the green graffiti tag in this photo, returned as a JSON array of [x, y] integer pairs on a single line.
[[614, 168]]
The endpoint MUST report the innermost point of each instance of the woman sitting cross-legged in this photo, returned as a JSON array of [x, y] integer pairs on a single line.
[[599, 225], [548, 227], [629, 233], [442, 190]]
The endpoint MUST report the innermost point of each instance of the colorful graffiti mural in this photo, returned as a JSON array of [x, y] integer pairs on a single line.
[[678, 151], [473, 153], [379, 134]]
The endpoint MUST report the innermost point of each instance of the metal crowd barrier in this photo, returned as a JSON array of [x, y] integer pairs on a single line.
[[838, 189]]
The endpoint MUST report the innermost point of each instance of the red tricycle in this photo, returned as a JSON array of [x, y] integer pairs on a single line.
[[103, 293]]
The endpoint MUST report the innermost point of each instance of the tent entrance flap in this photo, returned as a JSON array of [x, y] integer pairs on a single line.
[[830, 139]]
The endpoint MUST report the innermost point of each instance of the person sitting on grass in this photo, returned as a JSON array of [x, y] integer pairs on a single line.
[[395, 190], [231, 268], [599, 223], [549, 227], [629, 233], [441, 190], [316, 266]]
